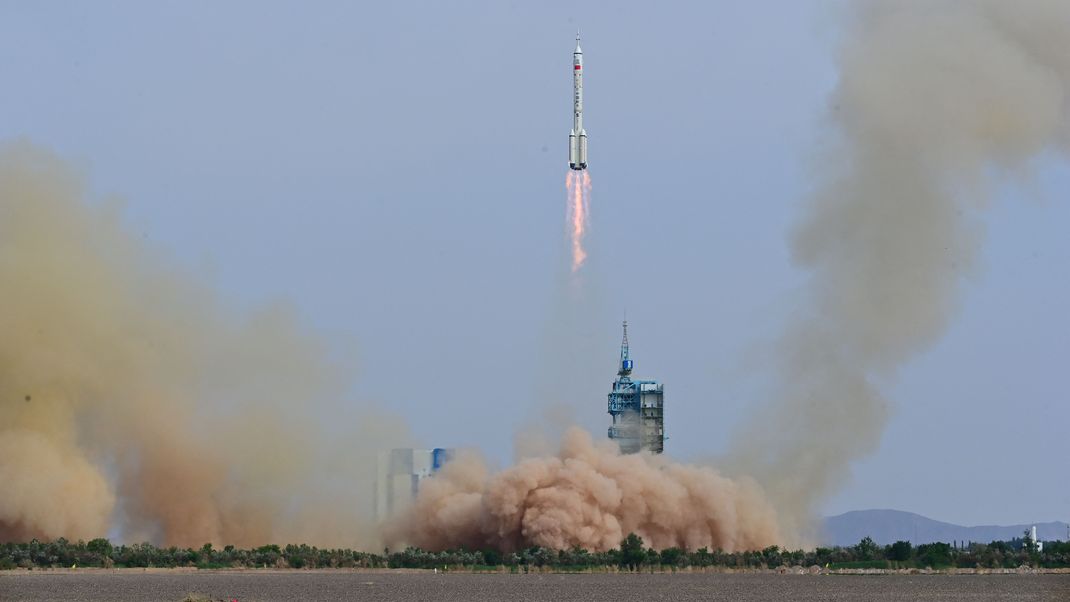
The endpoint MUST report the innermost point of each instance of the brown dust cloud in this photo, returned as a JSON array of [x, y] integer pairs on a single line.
[[937, 102], [132, 400], [587, 495]]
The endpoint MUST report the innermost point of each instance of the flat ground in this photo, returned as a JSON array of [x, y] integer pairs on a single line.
[[406, 586]]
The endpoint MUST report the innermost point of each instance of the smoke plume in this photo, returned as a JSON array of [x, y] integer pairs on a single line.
[[133, 403], [588, 495], [935, 101]]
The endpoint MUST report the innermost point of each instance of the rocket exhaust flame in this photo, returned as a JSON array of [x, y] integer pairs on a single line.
[[578, 184]]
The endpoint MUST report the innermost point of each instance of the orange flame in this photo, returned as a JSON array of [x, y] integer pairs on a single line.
[[579, 189]]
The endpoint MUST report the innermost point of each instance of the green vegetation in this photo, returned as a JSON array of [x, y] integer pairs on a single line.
[[632, 555]]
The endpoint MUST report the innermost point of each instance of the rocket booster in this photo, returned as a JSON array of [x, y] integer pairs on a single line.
[[577, 138]]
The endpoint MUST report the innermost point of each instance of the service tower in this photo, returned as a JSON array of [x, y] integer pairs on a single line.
[[637, 408]]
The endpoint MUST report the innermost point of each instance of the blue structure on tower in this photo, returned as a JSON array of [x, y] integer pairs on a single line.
[[637, 408]]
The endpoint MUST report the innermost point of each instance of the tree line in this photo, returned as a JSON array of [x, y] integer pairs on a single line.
[[631, 555]]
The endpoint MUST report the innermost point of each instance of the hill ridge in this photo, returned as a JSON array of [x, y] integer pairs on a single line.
[[887, 526]]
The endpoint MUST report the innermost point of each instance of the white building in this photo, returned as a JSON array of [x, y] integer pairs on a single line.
[[398, 476]]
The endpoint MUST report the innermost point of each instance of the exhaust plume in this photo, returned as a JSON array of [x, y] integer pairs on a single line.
[[934, 101], [133, 405], [588, 495], [578, 184]]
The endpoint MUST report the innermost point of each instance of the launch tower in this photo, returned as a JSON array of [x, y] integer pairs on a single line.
[[636, 408]]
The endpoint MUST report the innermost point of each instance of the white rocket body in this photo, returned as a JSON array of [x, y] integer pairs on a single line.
[[577, 138]]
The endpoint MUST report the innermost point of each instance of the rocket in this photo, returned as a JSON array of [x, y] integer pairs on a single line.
[[577, 138]]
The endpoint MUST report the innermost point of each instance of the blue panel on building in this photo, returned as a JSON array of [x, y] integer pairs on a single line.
[[439, 457]]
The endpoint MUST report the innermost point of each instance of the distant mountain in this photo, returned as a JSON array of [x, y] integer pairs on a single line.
[[889, 526]]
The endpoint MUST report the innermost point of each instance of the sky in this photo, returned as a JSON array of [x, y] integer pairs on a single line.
[[395, 173]]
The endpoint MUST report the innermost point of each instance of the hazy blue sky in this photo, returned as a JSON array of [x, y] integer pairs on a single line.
[[396, 172]]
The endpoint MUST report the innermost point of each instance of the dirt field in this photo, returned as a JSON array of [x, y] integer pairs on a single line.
[[346, 585]]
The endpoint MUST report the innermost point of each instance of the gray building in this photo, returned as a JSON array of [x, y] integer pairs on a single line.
[[399, 473]]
